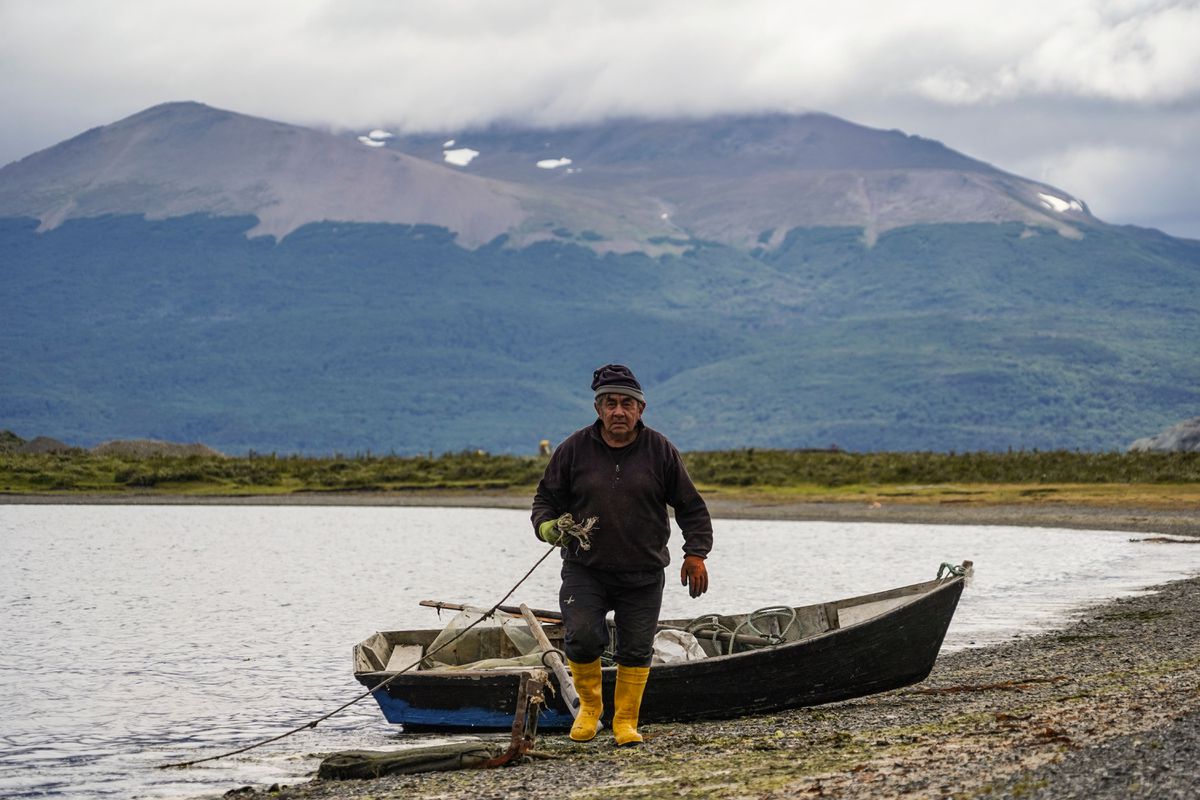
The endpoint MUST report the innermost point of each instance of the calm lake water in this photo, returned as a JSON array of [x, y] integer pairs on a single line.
[[132, 636]]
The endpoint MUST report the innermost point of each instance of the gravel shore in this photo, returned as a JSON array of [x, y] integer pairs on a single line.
[[1106, 707]]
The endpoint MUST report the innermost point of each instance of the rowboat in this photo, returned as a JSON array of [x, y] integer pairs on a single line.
[[764, 661]]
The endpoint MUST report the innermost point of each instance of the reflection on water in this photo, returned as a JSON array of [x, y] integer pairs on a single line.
[[138, 635]]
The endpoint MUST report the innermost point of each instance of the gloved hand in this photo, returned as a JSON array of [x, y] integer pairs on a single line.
[[549, 533], [694, 575]]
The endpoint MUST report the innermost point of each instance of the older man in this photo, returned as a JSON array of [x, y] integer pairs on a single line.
[[626, 474]]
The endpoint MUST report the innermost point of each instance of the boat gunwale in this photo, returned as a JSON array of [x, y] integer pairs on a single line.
[[912, 593]]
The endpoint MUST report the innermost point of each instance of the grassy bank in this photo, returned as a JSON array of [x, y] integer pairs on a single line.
[[974, 477]]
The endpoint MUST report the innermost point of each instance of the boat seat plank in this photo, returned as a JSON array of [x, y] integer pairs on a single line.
[[403, 655]]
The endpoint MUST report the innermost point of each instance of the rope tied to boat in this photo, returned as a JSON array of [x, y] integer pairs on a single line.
[[951, 570], [590, 524]]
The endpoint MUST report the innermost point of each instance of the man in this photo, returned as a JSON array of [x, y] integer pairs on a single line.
[[625, 474]]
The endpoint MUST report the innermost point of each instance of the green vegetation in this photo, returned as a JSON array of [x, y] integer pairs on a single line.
[[787, 468], [83, 471], [392, 338]]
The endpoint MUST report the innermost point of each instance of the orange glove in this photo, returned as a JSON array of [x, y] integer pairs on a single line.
[[694, 575]]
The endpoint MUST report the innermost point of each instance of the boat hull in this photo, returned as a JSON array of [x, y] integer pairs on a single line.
[[886, 652]]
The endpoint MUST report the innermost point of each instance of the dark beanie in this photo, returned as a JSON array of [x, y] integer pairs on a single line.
[[616, 379]]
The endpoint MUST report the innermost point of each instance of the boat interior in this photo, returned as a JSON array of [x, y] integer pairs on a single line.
[[505, 641]]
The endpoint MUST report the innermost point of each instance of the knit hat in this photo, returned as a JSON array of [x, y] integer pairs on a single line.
[[616, 379]]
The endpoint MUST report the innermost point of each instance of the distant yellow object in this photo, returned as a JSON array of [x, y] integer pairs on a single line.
[[544, 447]]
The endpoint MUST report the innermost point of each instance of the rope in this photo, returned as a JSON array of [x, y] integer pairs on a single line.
[[371, 691], [951, 570], [710, 626], [555, 652], [580, 531], [770, 612]]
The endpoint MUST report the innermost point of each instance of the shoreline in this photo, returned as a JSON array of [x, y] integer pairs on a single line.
[[1107, 706], [1174, 521]]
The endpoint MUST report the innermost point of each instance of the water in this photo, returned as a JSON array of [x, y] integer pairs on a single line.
[[132, 636]]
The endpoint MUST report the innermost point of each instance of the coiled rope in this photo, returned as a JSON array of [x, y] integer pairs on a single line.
[[382, 685], [710, 626], [769, 613]]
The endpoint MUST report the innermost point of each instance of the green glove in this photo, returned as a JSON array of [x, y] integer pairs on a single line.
[[548, 532]]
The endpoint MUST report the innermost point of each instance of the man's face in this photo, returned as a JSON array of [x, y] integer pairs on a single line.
[[619, 414]]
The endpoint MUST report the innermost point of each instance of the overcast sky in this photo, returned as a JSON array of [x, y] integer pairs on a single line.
[[1101, 99]]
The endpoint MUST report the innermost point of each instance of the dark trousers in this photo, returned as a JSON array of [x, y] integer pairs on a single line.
[[587, 595]]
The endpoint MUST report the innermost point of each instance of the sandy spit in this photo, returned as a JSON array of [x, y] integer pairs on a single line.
[[1184, 522]]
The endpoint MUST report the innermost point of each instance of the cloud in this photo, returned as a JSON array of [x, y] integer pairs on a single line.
[[449, 65], [1142, 53]]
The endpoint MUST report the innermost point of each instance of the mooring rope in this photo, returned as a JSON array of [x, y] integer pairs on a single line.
[[486, 615], [951, 570]]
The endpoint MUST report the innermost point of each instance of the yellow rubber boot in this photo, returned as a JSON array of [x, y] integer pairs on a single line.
[[586, 678], [627, 702]]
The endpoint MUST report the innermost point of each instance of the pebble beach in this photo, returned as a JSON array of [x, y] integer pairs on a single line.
[[1107, 706]]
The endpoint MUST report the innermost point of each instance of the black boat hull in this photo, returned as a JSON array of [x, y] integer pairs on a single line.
[[889, 651]]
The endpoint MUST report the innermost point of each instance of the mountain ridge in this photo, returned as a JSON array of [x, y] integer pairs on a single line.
[[632, 185], [134, 166]]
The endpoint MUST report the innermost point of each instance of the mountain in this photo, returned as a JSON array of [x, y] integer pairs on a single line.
[[187, 158], [191, 274], [627, 185], [749, 180]]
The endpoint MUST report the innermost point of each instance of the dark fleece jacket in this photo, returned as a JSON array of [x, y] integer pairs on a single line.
[[629, 489]]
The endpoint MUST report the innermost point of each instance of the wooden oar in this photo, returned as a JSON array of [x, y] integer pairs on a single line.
[[551, 657], [548, 617]]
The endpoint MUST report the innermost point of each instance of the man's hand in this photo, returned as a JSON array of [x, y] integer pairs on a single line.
[[694, 575], [549, 532]]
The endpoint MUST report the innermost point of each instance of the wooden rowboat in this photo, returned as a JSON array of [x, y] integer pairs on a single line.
[[782, 658]]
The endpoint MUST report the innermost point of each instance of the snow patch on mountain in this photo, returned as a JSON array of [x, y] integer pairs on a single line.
[[1058, 204], [369, 142], [460, 157], [379, 135], [553, 163]]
